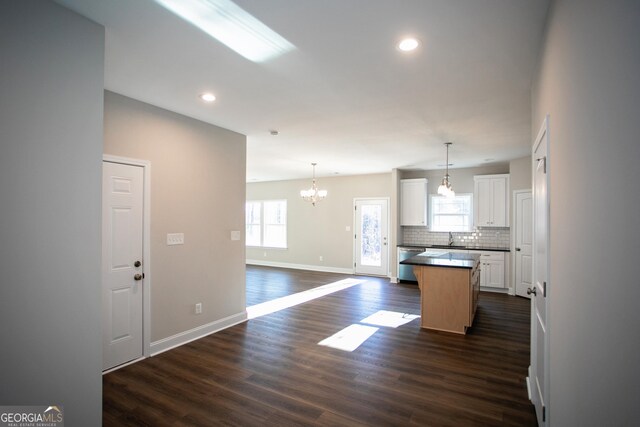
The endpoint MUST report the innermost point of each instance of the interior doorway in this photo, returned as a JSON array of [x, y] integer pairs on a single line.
[[125, 262], [539, 371], [523, 241]]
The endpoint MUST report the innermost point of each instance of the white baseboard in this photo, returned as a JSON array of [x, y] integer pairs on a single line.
[[529, 382], [177, 340], [300, 266], [494, 290], [115, 368], [393, 279]]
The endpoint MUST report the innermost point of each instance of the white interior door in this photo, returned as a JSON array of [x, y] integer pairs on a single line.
[[122, 269], [372, 236], [539, 375], [523, 242]]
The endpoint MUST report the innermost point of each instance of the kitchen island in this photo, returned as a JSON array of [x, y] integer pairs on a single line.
[[449, 288]]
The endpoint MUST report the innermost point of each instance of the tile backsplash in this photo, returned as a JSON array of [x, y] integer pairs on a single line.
[[495, 237]]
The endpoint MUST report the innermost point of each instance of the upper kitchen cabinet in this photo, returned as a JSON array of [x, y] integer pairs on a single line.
[[491, 204], [413, 201]]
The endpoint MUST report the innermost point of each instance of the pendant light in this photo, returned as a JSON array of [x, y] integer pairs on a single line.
[[445, 188], [313, 195]]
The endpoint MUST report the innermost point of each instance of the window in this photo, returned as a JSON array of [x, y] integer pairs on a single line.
[[451, 214], [266, 223]]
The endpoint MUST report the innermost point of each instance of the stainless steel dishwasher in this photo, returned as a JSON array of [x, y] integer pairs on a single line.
[[405, 272]]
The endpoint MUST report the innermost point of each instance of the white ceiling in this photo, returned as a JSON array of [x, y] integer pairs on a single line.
[[345, 98]]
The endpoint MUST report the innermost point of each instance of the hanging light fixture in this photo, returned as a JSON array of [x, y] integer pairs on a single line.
[[313, 195], [445, 188]]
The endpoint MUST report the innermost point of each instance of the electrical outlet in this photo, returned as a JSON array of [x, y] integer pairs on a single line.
[[264, 253], [320, 257], [175, 239], [235, 235], [199, 308]]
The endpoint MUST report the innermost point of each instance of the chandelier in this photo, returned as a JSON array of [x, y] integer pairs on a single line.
[[445, 188], [313, 195]]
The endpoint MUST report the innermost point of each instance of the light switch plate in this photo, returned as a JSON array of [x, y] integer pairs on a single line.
[[175, 239], [235, 235]]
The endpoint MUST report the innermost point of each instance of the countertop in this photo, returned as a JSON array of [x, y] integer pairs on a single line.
[[458, 247], [447, 259]]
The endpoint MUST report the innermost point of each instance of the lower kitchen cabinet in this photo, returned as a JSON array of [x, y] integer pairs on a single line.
[[492, 269]]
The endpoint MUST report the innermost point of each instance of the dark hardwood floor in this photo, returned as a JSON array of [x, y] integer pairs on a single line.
[[268, 283], [270, 371]]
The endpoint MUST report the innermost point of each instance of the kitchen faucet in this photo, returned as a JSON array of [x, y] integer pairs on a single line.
[[450, 239]]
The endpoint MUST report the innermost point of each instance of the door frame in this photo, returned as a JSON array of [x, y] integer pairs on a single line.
[[146, 251], [512, 289], [353, 228], [543, 135]]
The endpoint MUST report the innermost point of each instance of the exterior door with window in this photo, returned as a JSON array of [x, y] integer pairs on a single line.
[[372, 236]]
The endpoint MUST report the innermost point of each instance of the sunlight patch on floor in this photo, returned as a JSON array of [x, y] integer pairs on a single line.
[[299, 298], [390, 319], [351, 337]]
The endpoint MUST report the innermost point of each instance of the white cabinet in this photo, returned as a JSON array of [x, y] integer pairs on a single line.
[[491, 204], [492, 269], [413, 201]]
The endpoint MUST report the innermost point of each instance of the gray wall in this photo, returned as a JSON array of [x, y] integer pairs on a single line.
[[197, 188], [588, 84], [51, 95], [320, 230], [520, 174]]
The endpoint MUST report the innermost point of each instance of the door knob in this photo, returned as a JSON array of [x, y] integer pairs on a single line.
[[137, 277], [137, 264], [517, 249], [531, 291]]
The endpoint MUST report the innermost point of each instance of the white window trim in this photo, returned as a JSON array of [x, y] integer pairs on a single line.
[[471, 224], [286, 225]]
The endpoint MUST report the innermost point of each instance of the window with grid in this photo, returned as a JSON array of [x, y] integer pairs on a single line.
[[451, 213], [266, 223]]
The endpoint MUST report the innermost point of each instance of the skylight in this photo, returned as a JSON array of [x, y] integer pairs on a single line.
[[231, 25]]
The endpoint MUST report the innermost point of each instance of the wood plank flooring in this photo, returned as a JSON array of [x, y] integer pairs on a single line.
[[269, 371]]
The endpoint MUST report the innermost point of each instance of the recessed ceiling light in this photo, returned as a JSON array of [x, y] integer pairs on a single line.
[[208, 97], [408, 44]]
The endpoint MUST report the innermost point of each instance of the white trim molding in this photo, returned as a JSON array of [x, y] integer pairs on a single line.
[[131, 362], [185, 337], [300, 266]]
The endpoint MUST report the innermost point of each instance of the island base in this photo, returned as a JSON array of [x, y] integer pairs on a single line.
[[449, 297]]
